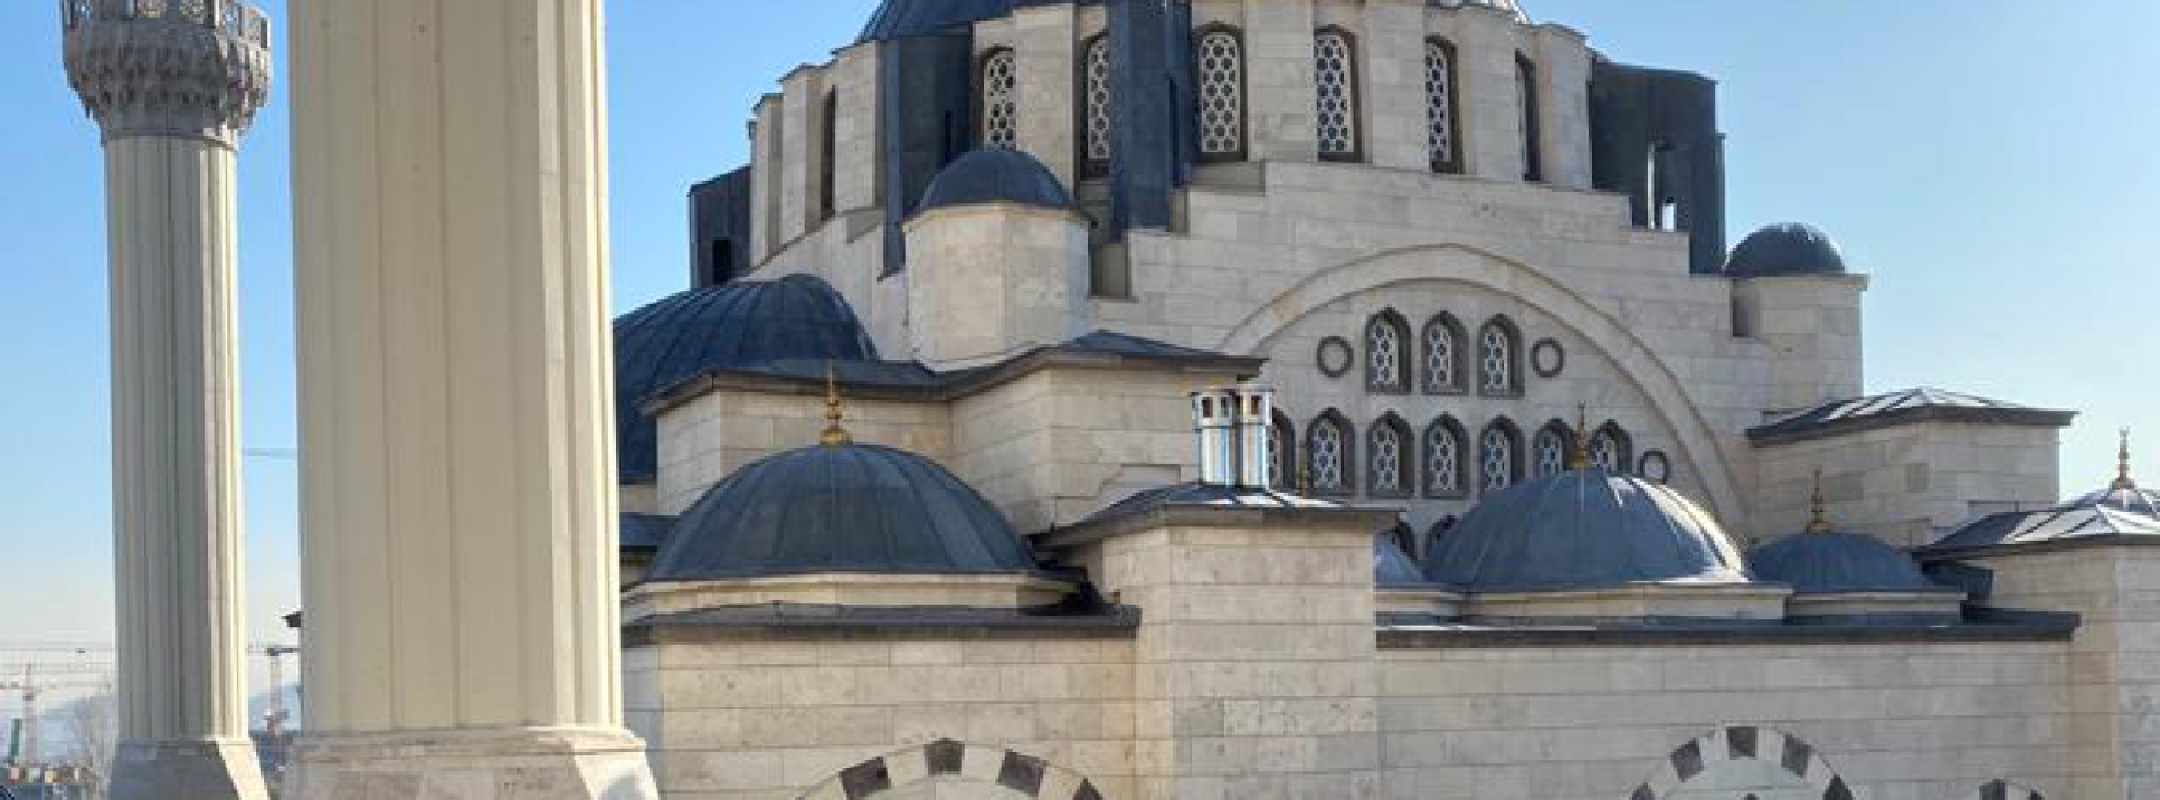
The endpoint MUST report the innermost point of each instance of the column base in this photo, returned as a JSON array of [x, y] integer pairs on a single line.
[[216, 769], [508, 764]]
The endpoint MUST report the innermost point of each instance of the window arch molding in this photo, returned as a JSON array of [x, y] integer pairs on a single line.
[[1612, 449], [1443, 106], [1094, 122], [1283, 433], [1500, 456], [1447, 457], [1330, 456], [1500, 358], [1389, 367], [1552, 449], [1220, 70], [1339, 107], [997, 99], [1391, 465], [1444, 356]]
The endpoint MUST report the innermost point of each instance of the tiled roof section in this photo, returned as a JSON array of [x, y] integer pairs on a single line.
[[2067, 525], [1903, 408], [1208, 496]]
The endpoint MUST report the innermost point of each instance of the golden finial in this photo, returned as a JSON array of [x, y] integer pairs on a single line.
[[1579, 449], [834, 435], [2123, 481], [1819, 511]]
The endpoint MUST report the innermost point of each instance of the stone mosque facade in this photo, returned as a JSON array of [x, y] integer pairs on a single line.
[[1323, 399], [1074, 400]]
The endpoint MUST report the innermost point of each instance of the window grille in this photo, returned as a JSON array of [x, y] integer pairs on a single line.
[[1001, 100], [1096, 92], [1221, 57], [1333, 75], [1440, 106]]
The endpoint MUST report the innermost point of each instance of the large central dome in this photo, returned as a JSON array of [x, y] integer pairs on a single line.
[[1585, 529]]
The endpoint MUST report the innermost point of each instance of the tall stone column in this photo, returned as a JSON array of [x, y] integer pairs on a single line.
[[458, 514], [173, 85]]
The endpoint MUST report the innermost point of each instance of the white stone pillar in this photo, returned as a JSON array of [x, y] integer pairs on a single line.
[[458, 513], [173, 88]]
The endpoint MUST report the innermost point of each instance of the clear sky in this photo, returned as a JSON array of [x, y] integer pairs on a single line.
[[1992, 164]]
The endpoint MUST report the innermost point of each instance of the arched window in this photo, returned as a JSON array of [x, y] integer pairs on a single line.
[[1447, 465], [1443, 140], [1330, 455], [1499, 456], [828, 153], [1499, 359], [1000, 82], [1526, 97], [1219, 55], [1282, 447], [1553, 448], [1387, 351], [1335, 78], [1390, 459], [1612, 450], [1445, 356], [1095, 106]]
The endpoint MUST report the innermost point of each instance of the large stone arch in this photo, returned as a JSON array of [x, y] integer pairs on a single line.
[[1743, 742], [1025, 775], [1649, 374], [2003, 790]]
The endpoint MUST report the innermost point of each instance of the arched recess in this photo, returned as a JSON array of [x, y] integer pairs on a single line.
[[2004, 790], [1739, 743], [1645, 372], [1022, 774]]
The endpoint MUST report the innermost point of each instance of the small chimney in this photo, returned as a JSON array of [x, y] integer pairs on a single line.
[[1256, 450], [1215, 417]]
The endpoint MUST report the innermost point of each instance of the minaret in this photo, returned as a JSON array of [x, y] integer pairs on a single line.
[[173, 83]]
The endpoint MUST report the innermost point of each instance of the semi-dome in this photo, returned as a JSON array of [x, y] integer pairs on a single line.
[[1786, 249], [847, 508], [1584, 529], [1830, 562], [742, 324], [996, 175]]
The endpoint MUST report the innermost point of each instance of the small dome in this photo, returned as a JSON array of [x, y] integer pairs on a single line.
[[1584, 529], [1392, 566], [1786, 249], [840, 508], [1509, 7], [2122, 498], [1838, 563], [996, 176], [742, 324]]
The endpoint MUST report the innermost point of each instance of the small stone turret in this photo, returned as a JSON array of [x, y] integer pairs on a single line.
[[997, 262], [191, 68]]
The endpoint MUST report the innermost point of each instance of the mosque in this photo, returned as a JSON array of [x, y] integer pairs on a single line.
[[1323, 399]]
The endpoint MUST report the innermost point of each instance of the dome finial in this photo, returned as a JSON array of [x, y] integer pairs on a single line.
[[1818, 508], [1579, 445], [2123, 481], [834, 435]]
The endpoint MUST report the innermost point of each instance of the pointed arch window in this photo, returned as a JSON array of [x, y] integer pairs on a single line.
[[1282, 447], [1612, 450], [1499, 359], [1387, 353], [1095, 120], [1552, 449], [1335, 79], [1329, 455], [1447, 463], [1526, 101], [1443, 138], [1000, 83], [1446, 359], [1391, 459], [1499, 457], [1219, 88]]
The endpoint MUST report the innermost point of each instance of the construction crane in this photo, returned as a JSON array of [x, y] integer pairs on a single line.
[[274, 722], [31, 687]]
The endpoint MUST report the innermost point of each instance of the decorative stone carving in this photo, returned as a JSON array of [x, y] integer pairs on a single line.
[[164, 68]]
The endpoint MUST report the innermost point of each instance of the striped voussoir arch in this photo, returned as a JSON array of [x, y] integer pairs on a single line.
[[1744, 742], [2005, 790], [1028, 775]]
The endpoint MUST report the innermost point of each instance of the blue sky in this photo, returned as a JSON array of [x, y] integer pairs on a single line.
[[1990, 163]]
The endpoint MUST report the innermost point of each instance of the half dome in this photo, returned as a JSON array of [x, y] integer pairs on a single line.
[[742, 324], [1838, 563], [1786, 249], [840, 508], [996, 176], [1585, 529]]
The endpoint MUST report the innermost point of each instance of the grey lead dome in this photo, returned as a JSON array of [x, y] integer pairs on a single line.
[[1584, 529], [1838, 563], [840, 508], [1789, 248], [996, 176]]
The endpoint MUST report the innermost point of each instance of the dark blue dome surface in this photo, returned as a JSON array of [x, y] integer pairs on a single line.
[[896, 18], [996, 176], [743, 324], [1835, 563], [1392, 566], [1584, 529], [1786, 249], [845, 508]]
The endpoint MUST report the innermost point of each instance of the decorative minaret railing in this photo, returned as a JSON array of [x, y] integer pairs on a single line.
[[173, 84]]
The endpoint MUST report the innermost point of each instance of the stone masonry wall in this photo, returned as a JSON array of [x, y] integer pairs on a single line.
[[1908, 485]]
